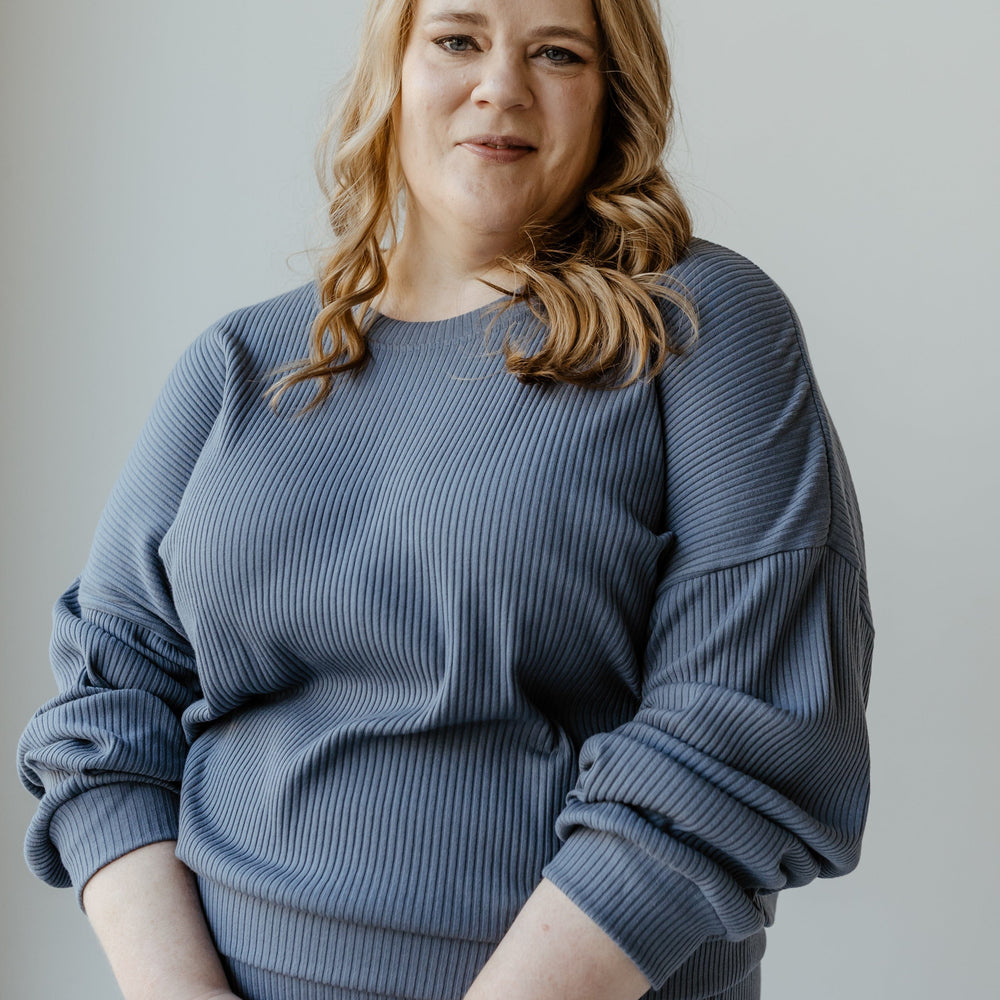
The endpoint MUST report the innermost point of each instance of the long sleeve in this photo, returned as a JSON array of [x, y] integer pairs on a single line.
[[745, 769], [105, 755]]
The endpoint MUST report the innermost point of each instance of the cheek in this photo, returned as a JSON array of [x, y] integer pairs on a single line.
[[580, 113], [595, 119], [430, 96]]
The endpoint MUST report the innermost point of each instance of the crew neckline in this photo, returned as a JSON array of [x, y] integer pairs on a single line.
[[389, 330]]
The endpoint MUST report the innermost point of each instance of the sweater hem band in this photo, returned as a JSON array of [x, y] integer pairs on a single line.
[[352, 956]]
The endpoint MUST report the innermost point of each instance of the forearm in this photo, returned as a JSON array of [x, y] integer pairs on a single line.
[[554, 951], [147, 915]]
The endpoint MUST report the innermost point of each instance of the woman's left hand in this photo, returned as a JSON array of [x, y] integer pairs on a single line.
[[554, 950]]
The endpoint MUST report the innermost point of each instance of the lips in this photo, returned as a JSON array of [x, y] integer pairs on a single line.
[[499, 141]]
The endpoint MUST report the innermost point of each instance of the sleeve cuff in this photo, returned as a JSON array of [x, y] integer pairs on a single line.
[[655, 915], [101, 824]]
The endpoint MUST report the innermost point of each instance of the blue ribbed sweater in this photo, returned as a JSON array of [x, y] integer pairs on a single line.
[[382, 667]]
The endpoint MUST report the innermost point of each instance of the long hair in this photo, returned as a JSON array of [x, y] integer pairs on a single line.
[[594, 279]]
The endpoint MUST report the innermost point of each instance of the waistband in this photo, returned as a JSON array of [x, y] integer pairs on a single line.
[[342, 960], [351, 956]]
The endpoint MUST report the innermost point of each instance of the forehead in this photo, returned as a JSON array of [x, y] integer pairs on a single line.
[[527, 15]]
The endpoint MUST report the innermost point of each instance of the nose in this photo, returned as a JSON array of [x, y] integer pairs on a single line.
[[503, 81]]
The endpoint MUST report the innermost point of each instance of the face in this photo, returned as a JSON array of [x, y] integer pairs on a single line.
[[500, 112]]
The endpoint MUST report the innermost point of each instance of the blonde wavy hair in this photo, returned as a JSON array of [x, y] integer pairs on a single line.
[[594, 279]]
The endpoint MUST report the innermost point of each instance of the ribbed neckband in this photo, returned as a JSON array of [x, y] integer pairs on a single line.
[[402, 333]]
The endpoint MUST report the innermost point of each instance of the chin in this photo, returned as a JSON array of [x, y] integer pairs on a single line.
[[514, 215], [495, 222]]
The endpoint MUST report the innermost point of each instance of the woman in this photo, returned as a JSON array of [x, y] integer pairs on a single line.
[[508, 652]]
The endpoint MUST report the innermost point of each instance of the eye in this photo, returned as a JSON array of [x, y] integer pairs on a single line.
[[456, 43], [558, 56]]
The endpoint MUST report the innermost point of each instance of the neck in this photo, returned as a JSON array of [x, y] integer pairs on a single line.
[[435, 275]]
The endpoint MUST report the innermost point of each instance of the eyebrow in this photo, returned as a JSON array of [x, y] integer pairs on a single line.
[[474, 18]]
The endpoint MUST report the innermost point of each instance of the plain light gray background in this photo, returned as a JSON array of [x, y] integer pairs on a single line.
[[157, 173]]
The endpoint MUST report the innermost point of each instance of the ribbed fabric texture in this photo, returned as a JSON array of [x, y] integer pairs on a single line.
[[252, 983], [382, 667]]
